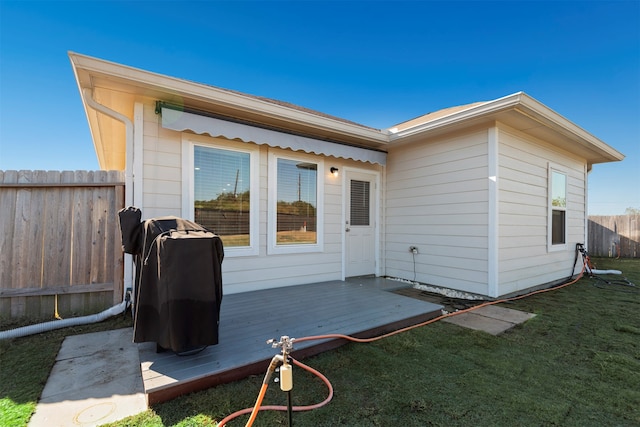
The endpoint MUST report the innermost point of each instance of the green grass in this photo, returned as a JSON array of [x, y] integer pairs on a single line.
[[25, 364], [577, 363]]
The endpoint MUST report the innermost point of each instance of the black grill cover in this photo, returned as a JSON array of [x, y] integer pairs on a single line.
[[131, 229], [178, 281]]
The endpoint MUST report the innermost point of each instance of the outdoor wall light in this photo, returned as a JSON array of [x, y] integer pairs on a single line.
[[334, 171]]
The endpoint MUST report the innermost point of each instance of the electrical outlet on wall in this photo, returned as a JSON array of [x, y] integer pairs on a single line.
[[413, 249]]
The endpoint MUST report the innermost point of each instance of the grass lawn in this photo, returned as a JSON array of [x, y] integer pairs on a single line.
[[577, 363]]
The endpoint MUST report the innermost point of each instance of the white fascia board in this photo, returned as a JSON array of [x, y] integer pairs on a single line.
[[525, 105], [477, 111], [546, 116], [91, 116], [215, 95]]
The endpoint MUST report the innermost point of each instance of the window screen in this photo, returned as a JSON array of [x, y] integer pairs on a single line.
[[359, 203], [558, 208], [557, 227], [221, 193]]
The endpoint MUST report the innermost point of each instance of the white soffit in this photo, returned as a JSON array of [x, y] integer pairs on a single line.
[[181, 121]]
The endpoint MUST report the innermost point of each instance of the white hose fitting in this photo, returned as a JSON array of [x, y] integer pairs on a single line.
[[286, 376], [606, 272]]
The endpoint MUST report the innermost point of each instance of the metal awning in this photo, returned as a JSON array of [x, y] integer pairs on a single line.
[[185, 121]]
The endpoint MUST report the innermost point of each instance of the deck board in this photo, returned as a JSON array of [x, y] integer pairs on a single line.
[[358, 307]]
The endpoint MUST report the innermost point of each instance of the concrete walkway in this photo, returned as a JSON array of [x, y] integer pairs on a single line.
[[96, 380], [491, 319]]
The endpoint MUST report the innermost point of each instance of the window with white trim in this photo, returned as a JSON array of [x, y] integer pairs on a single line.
[[224, 195], [295, 208], [557, 208]]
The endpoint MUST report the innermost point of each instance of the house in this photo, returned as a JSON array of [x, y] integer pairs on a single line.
[[488, 198]]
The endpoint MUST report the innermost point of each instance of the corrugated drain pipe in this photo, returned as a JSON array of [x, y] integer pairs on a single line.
[[118, 308], [58, 324]]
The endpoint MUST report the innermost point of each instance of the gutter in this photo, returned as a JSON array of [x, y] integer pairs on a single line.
[[225, 98], [490, 107]]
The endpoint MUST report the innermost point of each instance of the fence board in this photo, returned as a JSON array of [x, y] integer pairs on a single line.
[[81, 221], [116, 246], [98, 241], [21, 231], [56, 236], [7, 219], [36, 220], [59, 230], [614, 236]]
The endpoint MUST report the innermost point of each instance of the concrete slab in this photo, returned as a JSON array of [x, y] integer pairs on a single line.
[[491, 319], [503, 313], [96, 380]]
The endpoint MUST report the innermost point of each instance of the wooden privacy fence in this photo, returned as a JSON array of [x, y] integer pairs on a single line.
[[614, 236], [60, 243]]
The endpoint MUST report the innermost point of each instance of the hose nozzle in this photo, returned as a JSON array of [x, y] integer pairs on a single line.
[[285, 343]]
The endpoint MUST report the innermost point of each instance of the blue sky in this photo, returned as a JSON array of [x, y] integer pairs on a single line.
[[376, 63]]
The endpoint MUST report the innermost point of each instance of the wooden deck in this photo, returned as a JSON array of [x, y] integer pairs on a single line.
[[361, 307]]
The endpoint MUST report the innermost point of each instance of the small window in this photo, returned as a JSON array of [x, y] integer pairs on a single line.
[[558, 207], [360, 208], [295, 205], [222, 193]]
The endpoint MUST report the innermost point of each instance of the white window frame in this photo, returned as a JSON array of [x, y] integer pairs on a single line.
[[551, 247], [272, 247], [188, 187]]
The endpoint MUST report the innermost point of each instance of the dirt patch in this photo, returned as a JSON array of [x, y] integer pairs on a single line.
[[449, 304]]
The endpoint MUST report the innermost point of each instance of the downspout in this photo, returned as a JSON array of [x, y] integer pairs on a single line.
[[128, 171], [128, 265], [128, 124]]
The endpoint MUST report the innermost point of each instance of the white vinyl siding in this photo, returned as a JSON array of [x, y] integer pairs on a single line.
[[437, 194], [524, 258], [161, 169], [163, 163]]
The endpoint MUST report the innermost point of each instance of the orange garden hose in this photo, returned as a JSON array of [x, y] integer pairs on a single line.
[[257, 407], [435, 319]]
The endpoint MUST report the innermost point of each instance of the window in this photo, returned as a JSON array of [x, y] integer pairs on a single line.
[[558, 207], [223, 195], [359, 203], [295, 205]]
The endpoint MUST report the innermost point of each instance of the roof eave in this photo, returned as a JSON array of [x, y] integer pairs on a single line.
[[525, 105], [560, 124], [91, 117], [478, 111], [240, 103]]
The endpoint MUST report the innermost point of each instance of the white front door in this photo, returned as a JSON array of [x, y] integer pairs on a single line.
[[360, 223]]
